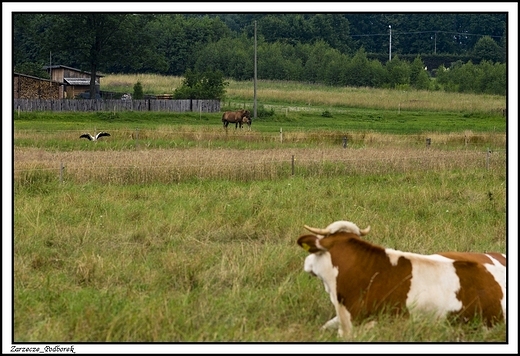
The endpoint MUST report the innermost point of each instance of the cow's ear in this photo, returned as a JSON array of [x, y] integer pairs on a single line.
[[309, 243]]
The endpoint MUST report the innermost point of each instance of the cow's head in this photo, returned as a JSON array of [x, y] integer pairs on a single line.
[[319, 264]]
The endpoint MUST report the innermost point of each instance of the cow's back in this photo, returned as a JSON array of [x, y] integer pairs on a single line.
[[493, 258]]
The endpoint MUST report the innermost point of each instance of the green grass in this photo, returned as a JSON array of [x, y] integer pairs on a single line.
[[354, 120], [188, 234], [217, 260]]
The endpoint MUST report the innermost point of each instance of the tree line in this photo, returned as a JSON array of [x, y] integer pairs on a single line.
[[337, 49]]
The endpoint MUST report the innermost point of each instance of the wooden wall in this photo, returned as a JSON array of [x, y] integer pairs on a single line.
[[26, 87]]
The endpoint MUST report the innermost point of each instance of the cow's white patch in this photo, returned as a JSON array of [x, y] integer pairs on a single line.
[[320, 265], [434, 283], [499, 272]]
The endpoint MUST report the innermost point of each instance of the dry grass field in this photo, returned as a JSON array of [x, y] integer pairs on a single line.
[[177, 165]]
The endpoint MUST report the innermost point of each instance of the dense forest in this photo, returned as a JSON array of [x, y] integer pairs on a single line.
[[355, 49]]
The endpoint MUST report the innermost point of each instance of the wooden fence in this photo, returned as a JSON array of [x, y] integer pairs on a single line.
[[117, 105]]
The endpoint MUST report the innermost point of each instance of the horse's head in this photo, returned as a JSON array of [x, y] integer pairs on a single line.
[[246, 113], [246, 120], [246, 117]]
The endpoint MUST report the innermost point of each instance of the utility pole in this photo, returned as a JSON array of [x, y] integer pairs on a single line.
[[390, 44], [254, 94]]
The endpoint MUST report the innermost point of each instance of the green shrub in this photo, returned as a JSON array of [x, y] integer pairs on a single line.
[[326, 113], [138, 91], [261, 111]]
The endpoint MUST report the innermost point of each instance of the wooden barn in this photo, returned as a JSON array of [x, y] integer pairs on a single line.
[[75, 81], [29, 87]]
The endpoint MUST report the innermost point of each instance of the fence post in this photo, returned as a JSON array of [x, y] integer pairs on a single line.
[[292, 165], [344, 141], [281, 135], [61, 172], [487, 158]]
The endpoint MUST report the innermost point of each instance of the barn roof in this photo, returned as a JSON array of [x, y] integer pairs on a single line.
[[78, 81], [56, 66], [16, 74]]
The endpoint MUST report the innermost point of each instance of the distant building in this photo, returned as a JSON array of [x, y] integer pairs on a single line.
[[75, 81]]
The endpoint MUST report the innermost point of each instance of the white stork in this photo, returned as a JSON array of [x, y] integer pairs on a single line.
[[94, 138]]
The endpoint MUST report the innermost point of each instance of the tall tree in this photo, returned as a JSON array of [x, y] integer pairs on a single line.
[[333, 29], [92, 38], [27, 32], [488, 50]]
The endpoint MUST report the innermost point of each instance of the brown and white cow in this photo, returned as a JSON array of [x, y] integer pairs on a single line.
[[363, 279]]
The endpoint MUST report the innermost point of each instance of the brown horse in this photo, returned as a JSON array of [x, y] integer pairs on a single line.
[[238, 117]]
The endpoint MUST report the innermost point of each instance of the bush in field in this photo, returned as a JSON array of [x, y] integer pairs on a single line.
[[263, 112], [197, 85], [398, 72], [358, 70], [470, 78], [138, 91], [326, 113], [493, 78], [419, 77]]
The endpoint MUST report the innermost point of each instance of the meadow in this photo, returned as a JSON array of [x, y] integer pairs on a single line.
[[175, 230], [311, 96]]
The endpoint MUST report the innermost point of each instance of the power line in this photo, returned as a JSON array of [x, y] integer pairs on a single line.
[[418, 32]]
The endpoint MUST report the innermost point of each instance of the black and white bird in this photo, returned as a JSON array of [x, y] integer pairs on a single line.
[[94, 138]]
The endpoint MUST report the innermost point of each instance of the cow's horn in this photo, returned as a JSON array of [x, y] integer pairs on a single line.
[[317, 230], [364, 231]]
